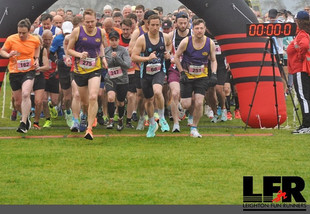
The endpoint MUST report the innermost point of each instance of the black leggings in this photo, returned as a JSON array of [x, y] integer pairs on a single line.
[[302, 88]]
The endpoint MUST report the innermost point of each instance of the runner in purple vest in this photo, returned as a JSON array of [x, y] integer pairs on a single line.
[[195, 77], [86, 44]]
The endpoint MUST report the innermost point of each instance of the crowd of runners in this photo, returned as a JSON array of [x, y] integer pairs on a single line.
[[131, 65]]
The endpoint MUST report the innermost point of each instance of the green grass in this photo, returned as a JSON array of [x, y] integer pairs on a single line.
[[136, 170]]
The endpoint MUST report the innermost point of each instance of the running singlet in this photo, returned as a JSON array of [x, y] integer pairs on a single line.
[[125, 43], [23, 61], [53, 29], [90, 44], [156, 65], [141, 31], [51, 67], [195, 62], [176, 40]]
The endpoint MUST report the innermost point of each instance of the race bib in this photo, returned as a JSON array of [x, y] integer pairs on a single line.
[[218, 50], [152, 69], [115, 72], [50, 64], [196, 69], [88, 63], [24, 65]]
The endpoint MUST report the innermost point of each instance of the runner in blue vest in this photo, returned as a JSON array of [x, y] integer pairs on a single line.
[[153, 46]]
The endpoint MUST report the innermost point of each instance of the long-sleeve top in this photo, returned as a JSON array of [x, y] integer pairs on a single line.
[[296, 52], [121, 61]]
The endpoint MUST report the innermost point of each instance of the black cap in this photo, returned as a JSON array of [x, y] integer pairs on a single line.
[[166, 24], [282, 11], [148, 13], [181, 15], [272, 13], [113, 34]]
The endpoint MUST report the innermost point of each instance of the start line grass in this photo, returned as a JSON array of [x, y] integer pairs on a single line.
[[135, 170]]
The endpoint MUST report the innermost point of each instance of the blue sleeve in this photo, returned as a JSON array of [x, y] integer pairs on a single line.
[[55, 45]]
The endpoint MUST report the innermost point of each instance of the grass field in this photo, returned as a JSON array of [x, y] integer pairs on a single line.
[[122, 169]]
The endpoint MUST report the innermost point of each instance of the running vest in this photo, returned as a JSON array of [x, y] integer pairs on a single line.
[[176, 40], [53, 30], [52, 67], [220, 58], [90, 44], [141, 31], [156, 65], [195, 62], [41, 56], [124, 42]]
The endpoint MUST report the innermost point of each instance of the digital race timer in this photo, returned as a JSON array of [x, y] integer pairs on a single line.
[[271, 29]]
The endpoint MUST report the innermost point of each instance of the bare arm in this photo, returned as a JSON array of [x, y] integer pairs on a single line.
[[102, 56], [36, 57], [45, 66], [138, 48], [71, 45], [168, 41], [65, 44], [105, 42], [67, 58], [133, 40], [178, 54], [5, 54], [213, 57]]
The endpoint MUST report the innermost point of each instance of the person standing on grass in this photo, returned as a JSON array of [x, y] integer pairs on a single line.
[[23, 51], [39, 84], [51, 94], [116, 80], [86, 45], [126, 26], [181, 32], [194, 80], [298, 57], [144, 28], [57, 48], [153, 47]]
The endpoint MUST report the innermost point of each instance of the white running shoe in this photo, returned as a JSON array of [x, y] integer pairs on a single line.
[[195, 133], [176, 128], [140, 124], [208, 112]]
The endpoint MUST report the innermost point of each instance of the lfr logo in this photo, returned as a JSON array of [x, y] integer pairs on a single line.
[[279, 196], [286, 192]]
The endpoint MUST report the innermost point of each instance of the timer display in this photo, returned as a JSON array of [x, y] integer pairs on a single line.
[[271, 29]]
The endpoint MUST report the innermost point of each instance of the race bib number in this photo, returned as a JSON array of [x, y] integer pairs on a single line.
[[50, 64], [152, 69], [218, 50], [24, 65], [88, 63], [132, 65], [115, 72], [196, 69]]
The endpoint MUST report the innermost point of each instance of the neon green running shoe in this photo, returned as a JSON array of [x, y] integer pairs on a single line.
[[47, 124], [53, 110]]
